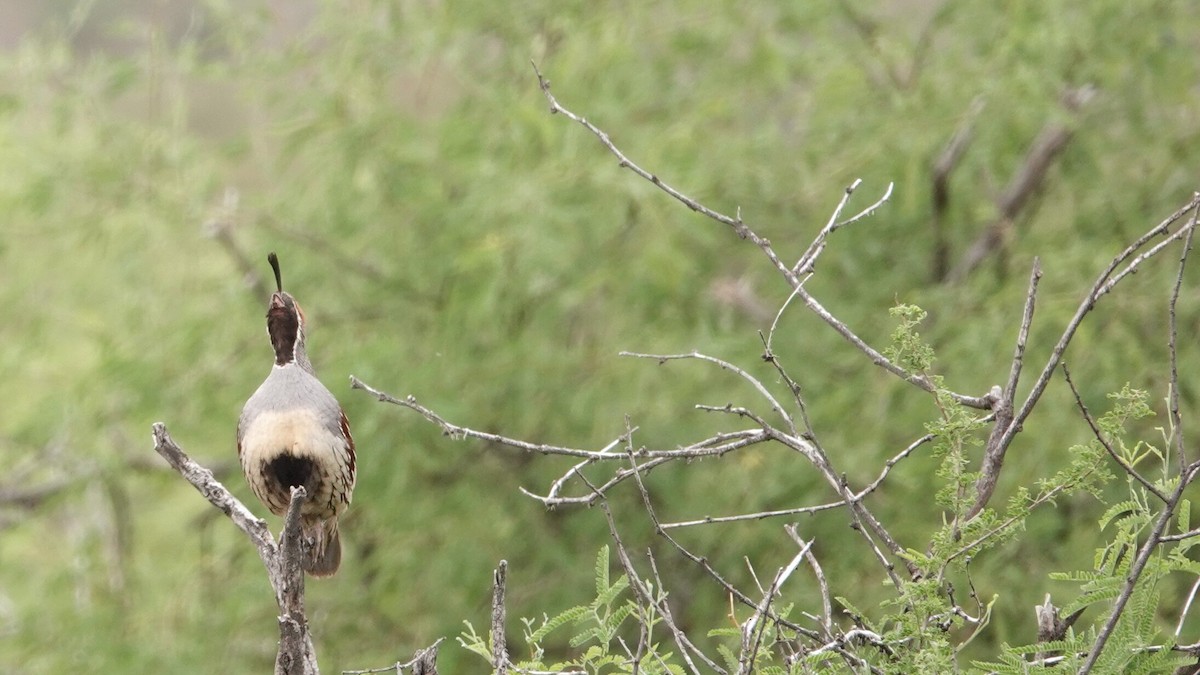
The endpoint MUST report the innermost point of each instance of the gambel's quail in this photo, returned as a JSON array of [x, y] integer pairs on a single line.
[[293, 432]]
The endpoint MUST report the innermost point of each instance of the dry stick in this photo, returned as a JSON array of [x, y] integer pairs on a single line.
[[809, 449], [699, 560], [733, 591], [807, 263], [859, 513], [725, 365], [457, 432], [655, 458], [714, 446], [792, 385], [1187, 607], [858, 496], [499, 645], [1172, 345], [822, 584], [1104, 284], [1112, 452], [744, 232], [681, 639], [282, 561], [993, 455], [755, 628]]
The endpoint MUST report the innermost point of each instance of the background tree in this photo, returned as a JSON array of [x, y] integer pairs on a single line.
[[474, 251]]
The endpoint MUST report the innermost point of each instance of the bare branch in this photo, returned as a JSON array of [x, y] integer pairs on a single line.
[[296, 655], [647, 598], [457, 432], [808, 510], [755, 627], [993, 455], [822, 584], [1104, 284], [740, 228], [807, 263], [725, 365], [202, 479], [704, 563]]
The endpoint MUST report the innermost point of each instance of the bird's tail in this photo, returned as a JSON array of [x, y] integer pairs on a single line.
[[325, 556]]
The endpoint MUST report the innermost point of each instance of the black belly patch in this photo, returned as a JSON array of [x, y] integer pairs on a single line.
[[289, 471]]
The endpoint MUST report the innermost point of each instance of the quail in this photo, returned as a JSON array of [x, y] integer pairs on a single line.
[[293, 432]]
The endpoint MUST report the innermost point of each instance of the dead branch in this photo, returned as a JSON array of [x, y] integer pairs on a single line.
[[296, 655], [743, 231], [499, 645]]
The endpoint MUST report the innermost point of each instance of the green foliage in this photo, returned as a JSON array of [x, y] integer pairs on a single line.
[[596, 628], [1137, 644], [451, 240]]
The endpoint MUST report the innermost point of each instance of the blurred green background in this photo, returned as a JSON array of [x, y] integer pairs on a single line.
[[450, 239]]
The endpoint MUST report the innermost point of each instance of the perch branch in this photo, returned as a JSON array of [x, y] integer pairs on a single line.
[[296, 655]]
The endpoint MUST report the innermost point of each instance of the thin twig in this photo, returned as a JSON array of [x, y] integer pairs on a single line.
[[743, 231], [822, 584], [704, 563], [807, 263], [1099, 435], [725, 365], [1173, 345], [808, 510]]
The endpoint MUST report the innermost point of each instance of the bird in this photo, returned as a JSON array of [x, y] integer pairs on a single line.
[[293, 432]]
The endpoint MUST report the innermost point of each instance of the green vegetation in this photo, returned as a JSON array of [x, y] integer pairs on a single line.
[[451, 240]]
